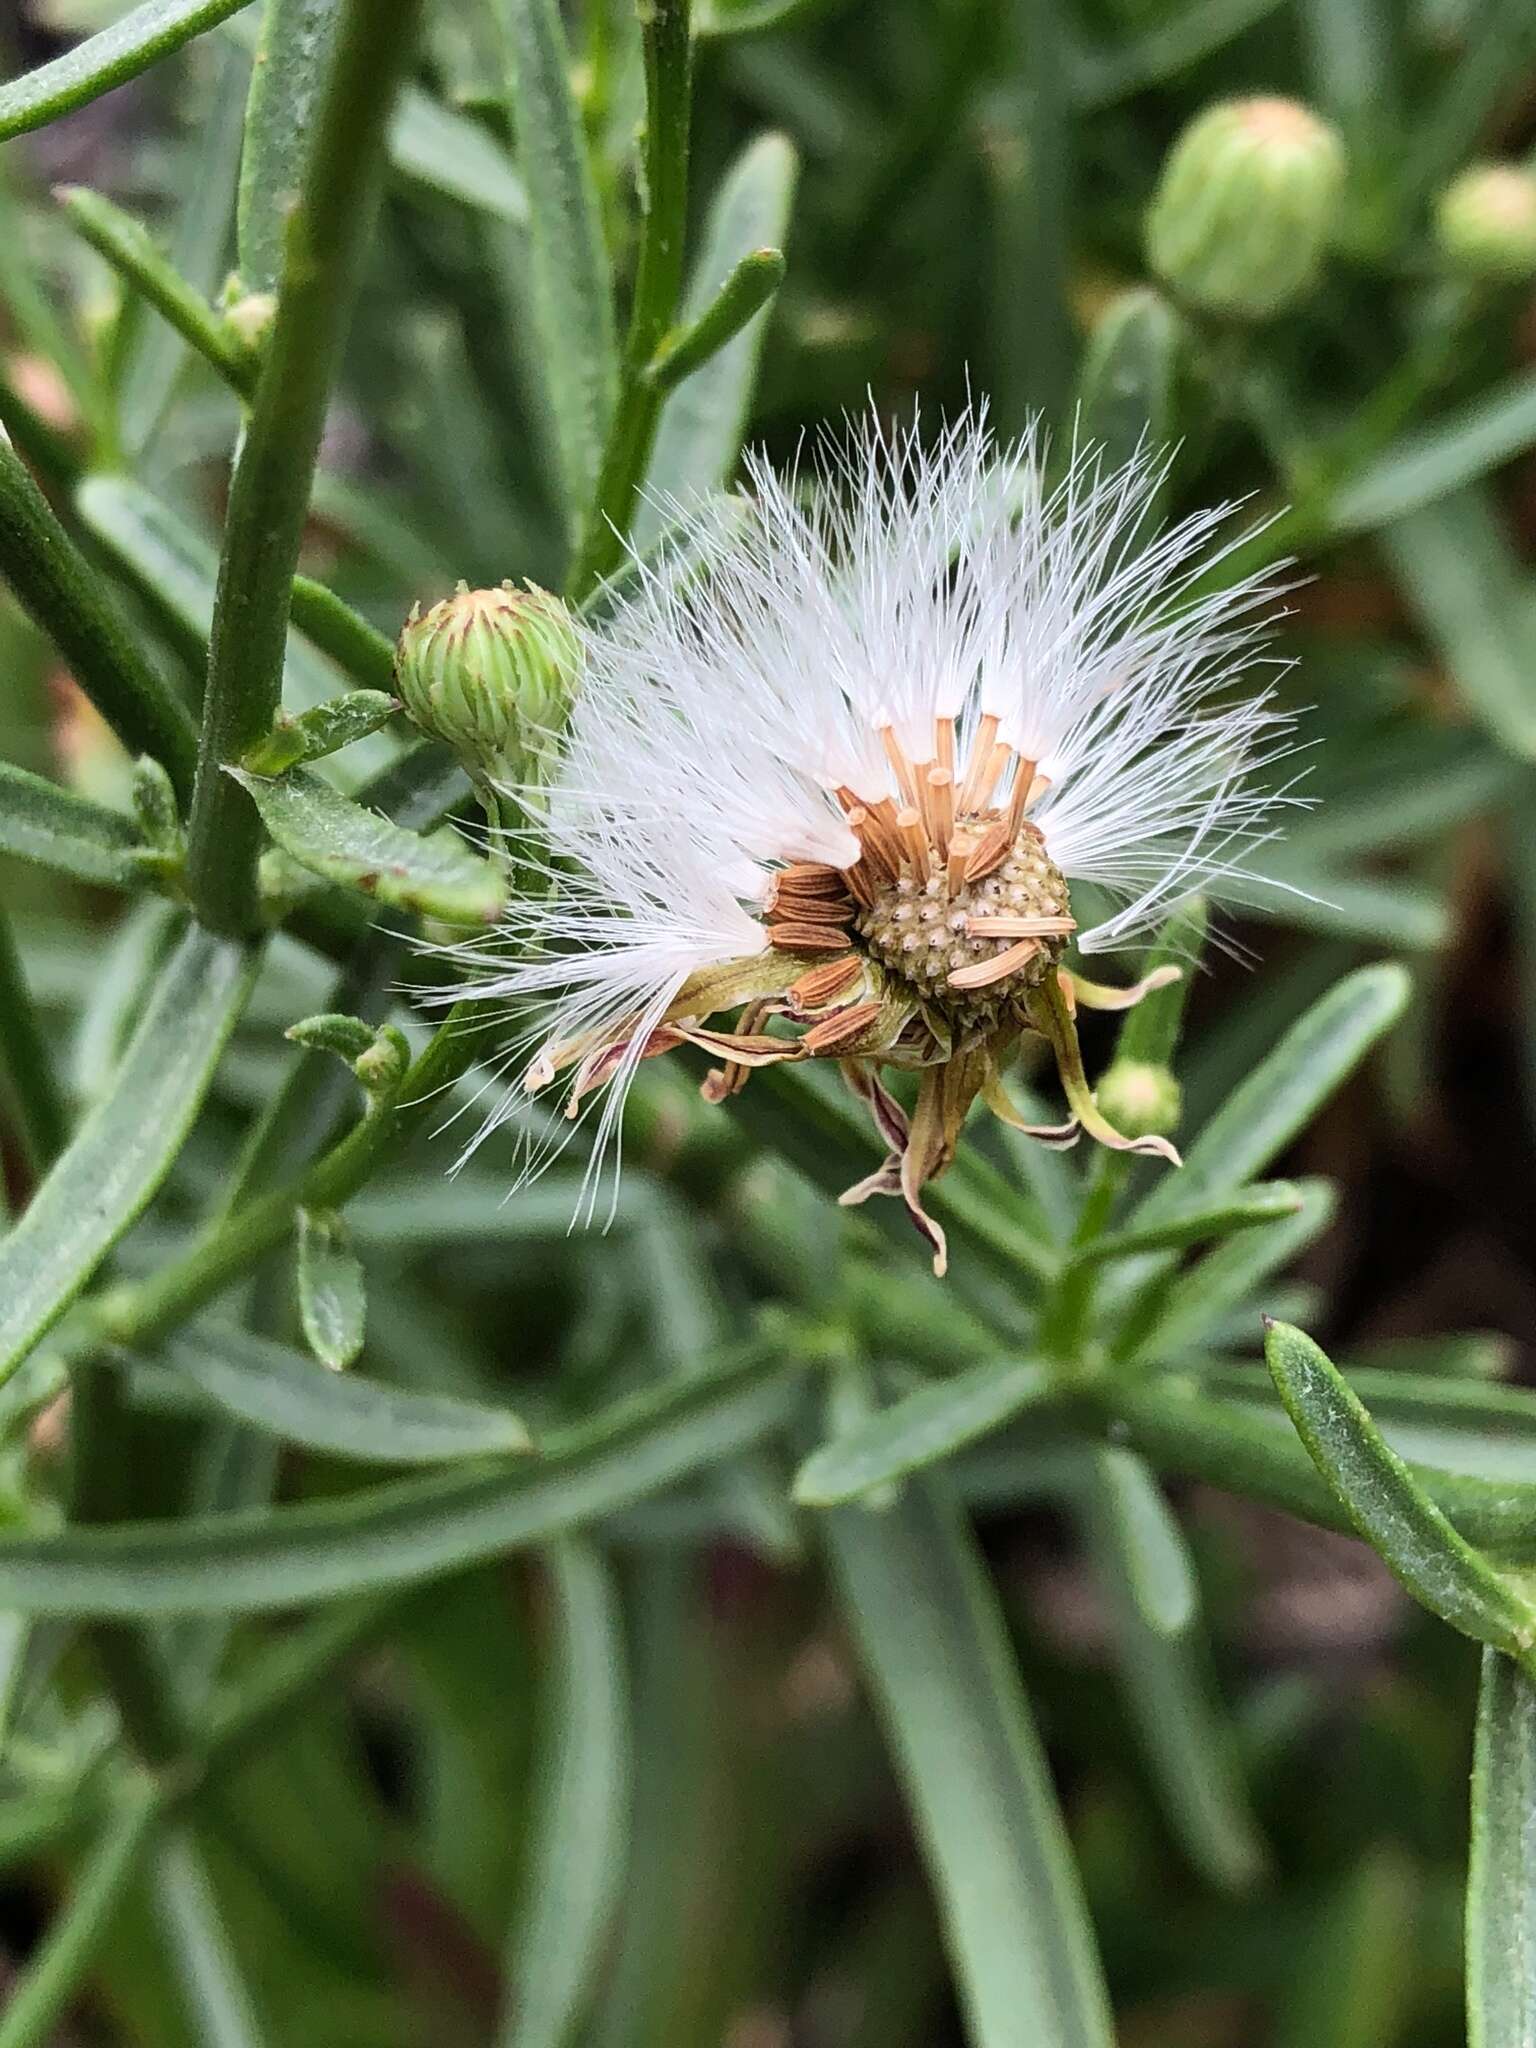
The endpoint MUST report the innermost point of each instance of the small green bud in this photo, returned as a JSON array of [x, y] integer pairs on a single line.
[[1140, 1100], [1485, 224], [1245, 206], [492, 673]]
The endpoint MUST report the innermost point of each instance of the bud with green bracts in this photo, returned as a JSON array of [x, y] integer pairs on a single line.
[[492, 674], [1140, 1100], [1485, 224], [1245, 206]]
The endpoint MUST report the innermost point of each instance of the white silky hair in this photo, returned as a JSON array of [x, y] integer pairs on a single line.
[[744, 677]]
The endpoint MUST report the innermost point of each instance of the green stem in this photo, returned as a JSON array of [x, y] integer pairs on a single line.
[[136, 1315], [133, 253], [658, 288], [39, 2001], [25, 1061], [269, 492], [56, 585]]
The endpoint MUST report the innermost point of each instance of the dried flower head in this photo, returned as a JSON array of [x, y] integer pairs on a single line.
[[829, 794]]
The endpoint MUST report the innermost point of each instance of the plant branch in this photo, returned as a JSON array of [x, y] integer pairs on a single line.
[[41, 1121], [658, 288], [269, 493]]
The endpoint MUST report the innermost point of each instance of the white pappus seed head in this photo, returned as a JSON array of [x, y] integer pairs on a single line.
[[870, 670]]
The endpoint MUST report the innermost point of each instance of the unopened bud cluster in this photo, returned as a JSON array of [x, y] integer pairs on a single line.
[[1245, 207], [492, 674]]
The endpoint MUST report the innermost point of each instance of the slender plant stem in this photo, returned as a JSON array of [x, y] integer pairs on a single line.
[[56, 585], [269, 493], [40, 2000], [658, 288], [135, 1315], [41, 1120]]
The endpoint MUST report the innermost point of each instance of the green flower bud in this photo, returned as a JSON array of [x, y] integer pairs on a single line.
[[492, 673], [1140, 1100], [1485, 223], [1245, 206]]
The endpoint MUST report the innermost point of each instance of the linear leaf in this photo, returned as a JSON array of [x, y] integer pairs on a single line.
[[289, 1395], [333, 1301], [213, 1990], [923, 1426], [1145, 1569], [1266, 1110], [41, 822], [1158, 1572], [1501, 1884], [345, 842], [1218, 1283], [1435, 460], [1246, 1210], [1458, 573], [702, 423], [577, 1858], [123, 1150], [1125, 389], [448, 151], [923, 1613], [402, 1530], [1423, 1551], [572, 296], [119, 52]]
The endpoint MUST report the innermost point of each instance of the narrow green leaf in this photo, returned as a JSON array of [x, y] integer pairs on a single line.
[[330, 835], [61, 591], [292, 51], [121, 51], [1381, 910], [1433, 461], [1423, 1551], [333, 1301], [923, 1426], [1147, 1539], [1144, 1567], [451, 153], [1247, 1210], [402, 1530], [286, 1394], [1126, 384], [355, 646], [123, 1150], [572, 294], [576, 1866], [744, 294], [1183, 1313], [918, 1603], [703, 422], [1458, 574], [1501, 1884], [1265, 1111], [213, 1990], [41, 822], [134, 254], [325, 730]]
